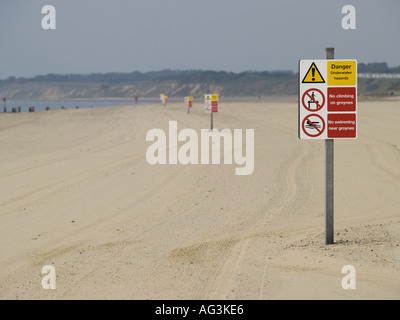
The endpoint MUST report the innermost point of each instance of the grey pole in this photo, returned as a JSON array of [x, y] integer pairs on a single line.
[[329, 177], [212, 121]]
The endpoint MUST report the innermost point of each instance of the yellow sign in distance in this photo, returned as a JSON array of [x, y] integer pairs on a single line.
[[313, 75], [190, 98], [208, 97], [214, 97], [342, 73]]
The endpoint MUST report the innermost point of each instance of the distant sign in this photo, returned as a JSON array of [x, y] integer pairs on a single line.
[[188, 102], [163, 98], [327, 99], [208, 105], [214, 103]]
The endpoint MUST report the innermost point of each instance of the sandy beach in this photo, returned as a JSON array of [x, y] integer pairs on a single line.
[[77, 193]]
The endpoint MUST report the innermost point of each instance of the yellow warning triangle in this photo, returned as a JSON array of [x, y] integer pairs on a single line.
[[208, 97], [313, 75]]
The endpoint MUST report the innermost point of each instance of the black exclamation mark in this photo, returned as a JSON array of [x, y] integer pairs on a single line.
[[313, 74]]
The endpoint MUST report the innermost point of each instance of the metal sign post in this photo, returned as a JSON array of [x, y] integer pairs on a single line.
[[329, 177]]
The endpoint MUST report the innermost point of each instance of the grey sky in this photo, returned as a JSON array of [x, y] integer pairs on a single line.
[[230, 35]]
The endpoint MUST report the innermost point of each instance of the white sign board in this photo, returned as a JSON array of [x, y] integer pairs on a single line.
[[327, 99]]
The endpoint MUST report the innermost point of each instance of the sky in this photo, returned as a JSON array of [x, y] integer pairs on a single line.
[[99, 36]]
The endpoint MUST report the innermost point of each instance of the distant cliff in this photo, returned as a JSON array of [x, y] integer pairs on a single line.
[[172, 83]]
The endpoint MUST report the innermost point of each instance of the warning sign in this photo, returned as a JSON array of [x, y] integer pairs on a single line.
[[313, 75], [190, 102], [214, 103], [164, 98], [208, 107], [327, 99]]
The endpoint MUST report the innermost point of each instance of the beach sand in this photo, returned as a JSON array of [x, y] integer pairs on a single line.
[[78, 193]]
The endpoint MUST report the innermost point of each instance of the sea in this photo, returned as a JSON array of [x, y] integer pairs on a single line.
[[24, 106]]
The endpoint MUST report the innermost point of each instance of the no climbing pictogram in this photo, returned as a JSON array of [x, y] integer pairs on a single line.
[[313, 99]]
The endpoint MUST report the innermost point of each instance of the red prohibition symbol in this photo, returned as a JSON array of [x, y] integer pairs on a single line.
[[313, 98], [318, 126]]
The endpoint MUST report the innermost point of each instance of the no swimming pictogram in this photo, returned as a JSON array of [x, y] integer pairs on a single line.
[[313, 125]]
